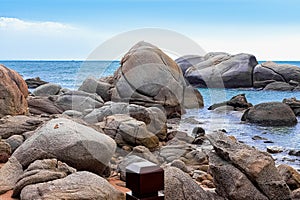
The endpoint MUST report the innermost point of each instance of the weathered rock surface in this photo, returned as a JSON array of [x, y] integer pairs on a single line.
[[279, 86], [180, 186], [129, 131], [276, 72], [79, 101], [13, 93], [259, 167], [153, 117], [42, 171], [238, 102], [34, 82], [294, 105], [230, 182], [5, 151], [9, 174], [91, 85], [15, 141], [47, 89], [77, 186], [44, 105], [219, 70], [290, 176], [270, 114], [188, 61], [165, 86], [17, 125], [77, 145]]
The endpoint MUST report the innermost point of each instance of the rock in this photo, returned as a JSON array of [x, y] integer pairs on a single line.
[[180, 165], [166, 86], [180, 186], [15, 141], [127, 161], [5, 151], [258, 166], [183, 136], [290, 176], [77, 186], [18, 125], [73, 113], [198, 132], [230, 182], [34, 82], [262, 84], [91, 85], [296, 194], [294, 152], [13, 93], [188, 61], [279, 72], [294, 83], [9, 174], [274, 149], [79, 101], [294, 104], [129, 131], [280, 86], [42, 171], [219, 70], [270, 114], [77, 145], [44, 105], [143, 152], [47, 89], [257, 137], [238, 102]]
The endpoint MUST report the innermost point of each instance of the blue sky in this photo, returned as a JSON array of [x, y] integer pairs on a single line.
[[71, 29]]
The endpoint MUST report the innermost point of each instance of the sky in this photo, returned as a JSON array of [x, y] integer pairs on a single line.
[[73, 29]]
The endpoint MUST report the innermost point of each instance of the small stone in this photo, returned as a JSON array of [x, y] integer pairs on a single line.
[[208, 184], [274, 149], [198, 132], [256, 137]]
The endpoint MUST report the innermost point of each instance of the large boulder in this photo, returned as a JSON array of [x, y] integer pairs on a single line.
[[77, 145], [79, 101], [219, 70], [77, 186], [47, 89], [270, 114], [17, 125], [259, 167], [279, 86], [147, 76], [91, 85], [188, 61], [238, 102], [180, 186], [294, 104], [13, 93], [44, 105], [34, 82], [270, 71]]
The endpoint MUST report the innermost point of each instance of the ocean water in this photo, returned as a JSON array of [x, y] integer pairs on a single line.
[[70, 74]]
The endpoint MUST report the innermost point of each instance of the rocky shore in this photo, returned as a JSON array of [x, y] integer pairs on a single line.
[[62, 144]]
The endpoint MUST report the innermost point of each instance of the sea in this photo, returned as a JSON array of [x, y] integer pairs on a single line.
[[70, 74]]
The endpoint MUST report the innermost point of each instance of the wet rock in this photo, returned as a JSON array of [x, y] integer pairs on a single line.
[[294, 152], [258, 166], [257, 137], [230, 182], [270, 114], [17, 125], [47, 89], [274, 149], [77, 145], [294, 104], [238, 102], [77, 186], [42, 171], [290, 176], [33, 83], [198, 132], [13, 93]]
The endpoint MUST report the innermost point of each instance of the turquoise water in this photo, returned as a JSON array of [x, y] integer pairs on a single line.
[[70, 74]]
